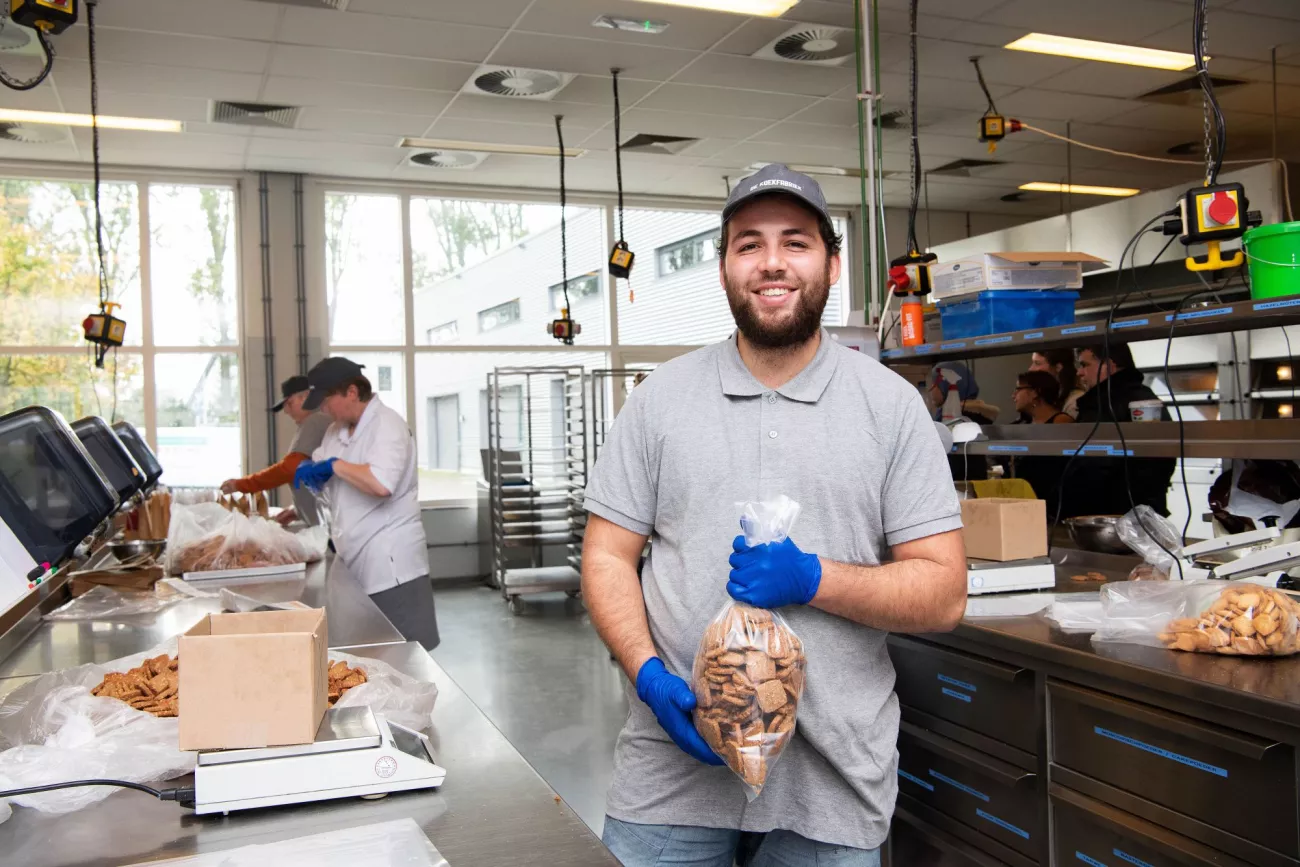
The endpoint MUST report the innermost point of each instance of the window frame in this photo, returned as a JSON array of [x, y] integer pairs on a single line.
[[453, 324], [513, 304], [555, 292], [710, 243]]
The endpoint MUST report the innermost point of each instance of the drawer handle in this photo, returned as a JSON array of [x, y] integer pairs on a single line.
[[1005, 773], [1240, 743], [1161, 752], [986, 667]]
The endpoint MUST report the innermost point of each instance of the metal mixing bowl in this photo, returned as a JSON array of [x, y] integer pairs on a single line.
[[137, 549], [1097, 533]]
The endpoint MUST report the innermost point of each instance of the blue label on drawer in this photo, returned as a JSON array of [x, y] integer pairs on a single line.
[[1032, 335], [890, 353], [1201, 314], [1163, 753], [998, 448], [1129, 323], [1109, 451], [969, 687], [920, 782], [952, 693], [1079, 329], [961, 787], [1089, 860], [1275, 305], [1002, 823], [924, 347], [960, 344], [1120, 853], [989, 341]]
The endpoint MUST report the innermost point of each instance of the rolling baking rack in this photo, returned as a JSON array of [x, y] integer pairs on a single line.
[[602, 404], [538, 471]]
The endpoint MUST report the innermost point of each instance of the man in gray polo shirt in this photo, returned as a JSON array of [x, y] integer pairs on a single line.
[[779, 408]]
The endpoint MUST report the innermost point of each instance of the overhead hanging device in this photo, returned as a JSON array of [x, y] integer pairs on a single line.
[[563, 329], [993, 125], [620, 257], [45, 18]]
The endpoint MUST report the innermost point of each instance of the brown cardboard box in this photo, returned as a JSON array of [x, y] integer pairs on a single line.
[[253, 680], [1004, 529]]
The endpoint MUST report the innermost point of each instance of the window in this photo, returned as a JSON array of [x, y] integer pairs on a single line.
[[385, 378], [363, 270], [448, 332], [474, 258], [498, 316], [580, 289], [387, 374], [189, 364], [693, 251]]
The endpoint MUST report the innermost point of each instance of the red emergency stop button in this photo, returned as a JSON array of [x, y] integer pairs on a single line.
[[1223, 208]]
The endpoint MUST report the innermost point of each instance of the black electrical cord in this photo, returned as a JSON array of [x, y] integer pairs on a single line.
[[31, 83], [104, 292], [979, 73], [184, 794], [1199, 25], [1182, 442], [618, 154], [912, 246], [564, 229]]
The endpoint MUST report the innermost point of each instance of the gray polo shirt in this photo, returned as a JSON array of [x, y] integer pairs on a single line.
[[305, 441], [852, 443]]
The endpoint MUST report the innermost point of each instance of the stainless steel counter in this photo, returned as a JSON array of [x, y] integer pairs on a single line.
[[353, 621]]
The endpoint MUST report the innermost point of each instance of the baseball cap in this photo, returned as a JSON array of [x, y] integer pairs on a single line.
[[776, 178], [329, 373], [289, 388]]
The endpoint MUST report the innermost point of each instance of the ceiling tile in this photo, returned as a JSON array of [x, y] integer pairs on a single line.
[[798, 133], [766, 75], [1034, 105], [237, 19], [139, 46], [303, 91], [188, 143], [1126, 21], [641, 120], [310, 135], [688, 28], [188, 109], [270, 147], [599, 90], [591, 56], [744, 154], [504, 133], [487, 13], [1286, 74], [753, 35], [952, 60], [723, 101], [535, 111], [1276, 8], [364, 122], [834, 12], [1234, 35], [381, 35], [162, 80], [1257, 97], [1110, 79], [353, 67]]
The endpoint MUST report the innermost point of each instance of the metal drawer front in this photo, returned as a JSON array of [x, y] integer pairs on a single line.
[[911, 846], [1228, 779], [1087, 832], [993, 797], [985, 696]]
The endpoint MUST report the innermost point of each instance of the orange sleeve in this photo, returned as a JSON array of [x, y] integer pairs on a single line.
[[274, 476]]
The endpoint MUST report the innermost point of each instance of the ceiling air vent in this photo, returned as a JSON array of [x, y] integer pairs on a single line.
[[461, 160], [1188, 91], [517, 83], [34, 133], [336, 5], [964, 168], [255, 114], [668, 145], [807, 43]]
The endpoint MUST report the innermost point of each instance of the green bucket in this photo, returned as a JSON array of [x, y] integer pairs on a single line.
[[1273, 253]]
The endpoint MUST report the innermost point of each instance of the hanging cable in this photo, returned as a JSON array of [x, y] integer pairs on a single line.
[[618, 155], [912, 246], [564, 229], [1214, 121], [979, 73], [104, 292], [29, 84]]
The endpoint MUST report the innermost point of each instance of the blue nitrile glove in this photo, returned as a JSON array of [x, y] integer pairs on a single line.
[[314, 474], [773, 574], [672, 701]]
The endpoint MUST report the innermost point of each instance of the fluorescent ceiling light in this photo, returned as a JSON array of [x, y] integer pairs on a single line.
[[488, 147], [1078, 189], [765, 8], [1107, 52], [146, 124]]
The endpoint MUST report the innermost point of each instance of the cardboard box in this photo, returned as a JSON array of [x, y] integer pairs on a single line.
[[1011, 270], [253, 680], [1003, 529]]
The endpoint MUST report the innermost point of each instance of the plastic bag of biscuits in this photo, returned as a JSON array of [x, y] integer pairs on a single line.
[[749, 670], [1229, 618]]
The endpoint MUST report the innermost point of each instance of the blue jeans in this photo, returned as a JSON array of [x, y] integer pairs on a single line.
[[661, 845]]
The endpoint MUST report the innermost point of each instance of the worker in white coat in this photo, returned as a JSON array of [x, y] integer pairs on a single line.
[[365, 470]]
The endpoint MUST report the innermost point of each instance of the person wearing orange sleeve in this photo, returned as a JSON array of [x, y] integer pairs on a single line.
[[311, 430]]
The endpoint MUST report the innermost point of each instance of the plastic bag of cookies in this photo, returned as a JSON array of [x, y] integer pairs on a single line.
[[1225, 617], [749, 670]]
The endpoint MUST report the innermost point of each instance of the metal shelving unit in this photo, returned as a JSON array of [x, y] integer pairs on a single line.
[[602, 404], [1272, 438], [537, 474]]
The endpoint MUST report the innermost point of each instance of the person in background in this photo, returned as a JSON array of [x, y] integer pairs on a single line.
[[311, 430], [1037, 396], [1105, 486], [1060, 364], [950, 375], [365, 466]]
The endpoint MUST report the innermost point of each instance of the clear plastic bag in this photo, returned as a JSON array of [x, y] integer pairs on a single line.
[[206, 537], [749, 670], [108, 603], [1225, 617], [399, 697], [1145, 531]]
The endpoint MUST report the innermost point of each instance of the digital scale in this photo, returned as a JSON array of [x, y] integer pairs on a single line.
[[989, 576], [357, 753]]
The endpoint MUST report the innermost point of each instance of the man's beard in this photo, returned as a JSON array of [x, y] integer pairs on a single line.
[[791, 330]]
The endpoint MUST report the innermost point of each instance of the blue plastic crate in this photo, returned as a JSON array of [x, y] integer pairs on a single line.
[[1005, 310]]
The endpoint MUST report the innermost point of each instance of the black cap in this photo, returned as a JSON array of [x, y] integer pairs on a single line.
[[776, 178], [329, 373], [289, 388]]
